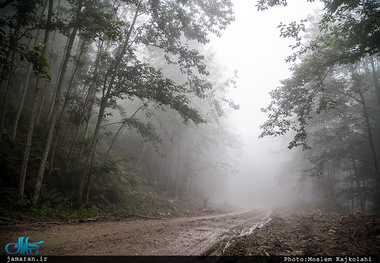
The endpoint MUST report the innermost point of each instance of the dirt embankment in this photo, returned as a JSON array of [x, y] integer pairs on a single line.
[[312, 233]]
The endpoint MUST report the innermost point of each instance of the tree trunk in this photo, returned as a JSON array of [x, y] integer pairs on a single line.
[[373, 149], [25, 86], [86, 110], [359, 189], [4, 99], [28, 143], [59, 121], [121, 128], [376, 81], [103, 104], [178, 190], [371, 142], [42, 102], [22, 100], [52, 102], [89, 185], [37, 188]]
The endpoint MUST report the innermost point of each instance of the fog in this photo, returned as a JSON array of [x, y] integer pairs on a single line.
[[144, 113], [252, 46]]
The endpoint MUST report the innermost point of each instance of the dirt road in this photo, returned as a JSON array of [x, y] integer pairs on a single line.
[[309, 232], [201, 235]]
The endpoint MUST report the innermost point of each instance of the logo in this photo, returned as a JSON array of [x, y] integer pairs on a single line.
[[22, 247]]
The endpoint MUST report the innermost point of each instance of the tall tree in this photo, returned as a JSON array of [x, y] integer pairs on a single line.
[[188, 21], [348, 33], [37, 188], [28, 143]]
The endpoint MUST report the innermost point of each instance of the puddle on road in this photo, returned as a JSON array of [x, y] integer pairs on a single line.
[[263, 222], [211, 235], [248, 230]]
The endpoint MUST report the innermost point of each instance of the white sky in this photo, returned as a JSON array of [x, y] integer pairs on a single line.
[[252, 46]]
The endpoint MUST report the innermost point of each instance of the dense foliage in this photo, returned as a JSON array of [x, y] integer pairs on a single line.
[[74, 74], [331, 102]]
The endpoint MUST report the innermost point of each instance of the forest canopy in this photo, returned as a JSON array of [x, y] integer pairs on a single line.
[[98, 97], [330, 105]]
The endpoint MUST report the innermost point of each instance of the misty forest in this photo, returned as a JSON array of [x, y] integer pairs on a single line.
[[124, 109]]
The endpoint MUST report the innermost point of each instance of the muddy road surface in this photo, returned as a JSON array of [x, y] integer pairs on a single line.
[[282, 232], [312, 232], [200, 235]]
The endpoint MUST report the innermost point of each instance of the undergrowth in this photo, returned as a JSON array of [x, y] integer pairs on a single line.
[[44, 211], [55, 206]]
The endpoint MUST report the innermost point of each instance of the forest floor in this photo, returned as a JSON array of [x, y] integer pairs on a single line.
[[255, 232]]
